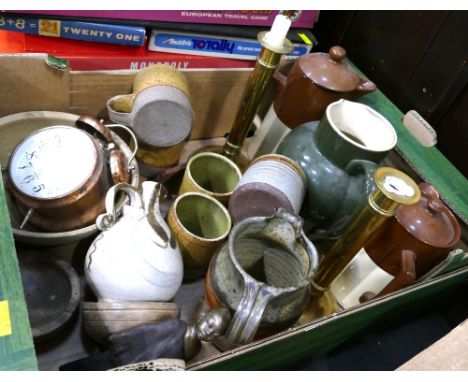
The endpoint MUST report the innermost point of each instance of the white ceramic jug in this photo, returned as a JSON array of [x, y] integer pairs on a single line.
[[135, 258]]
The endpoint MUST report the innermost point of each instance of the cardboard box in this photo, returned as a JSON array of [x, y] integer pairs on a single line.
[[29, 83]]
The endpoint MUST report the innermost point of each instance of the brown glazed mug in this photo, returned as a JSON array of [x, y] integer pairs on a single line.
[[315, 81], [427, 228]]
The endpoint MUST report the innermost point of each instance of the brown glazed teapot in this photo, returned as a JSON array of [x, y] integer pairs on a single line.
[[427, 228], [315, 81]]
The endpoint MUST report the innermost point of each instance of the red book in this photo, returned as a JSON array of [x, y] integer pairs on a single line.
[[83, 55], [179, 61]]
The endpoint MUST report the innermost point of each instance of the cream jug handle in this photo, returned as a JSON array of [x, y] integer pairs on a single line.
[[107, 220], [119, 109], [249, 312]]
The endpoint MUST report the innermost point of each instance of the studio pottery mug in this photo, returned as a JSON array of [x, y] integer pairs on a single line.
[[200, 224], [159, 112], [271, 181], [212, 174], [135, 258], [339, 157], [262, 274]]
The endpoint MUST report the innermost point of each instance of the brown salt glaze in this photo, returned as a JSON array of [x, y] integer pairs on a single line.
[[315, 81], [427, 228]]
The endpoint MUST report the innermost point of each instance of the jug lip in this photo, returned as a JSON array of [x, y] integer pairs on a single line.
[[384, 148], [233, 235]]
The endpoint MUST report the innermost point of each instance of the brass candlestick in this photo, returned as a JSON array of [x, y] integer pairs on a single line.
[[393, 188], [267, 63]]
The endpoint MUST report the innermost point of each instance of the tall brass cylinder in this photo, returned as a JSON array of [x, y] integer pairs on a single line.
[[393, 188], [267, 63]]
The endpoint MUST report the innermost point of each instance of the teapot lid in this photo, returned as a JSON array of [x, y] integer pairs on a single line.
[[329, 70], [430, 220]]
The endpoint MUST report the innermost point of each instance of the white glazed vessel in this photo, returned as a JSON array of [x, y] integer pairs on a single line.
[[135, 258]]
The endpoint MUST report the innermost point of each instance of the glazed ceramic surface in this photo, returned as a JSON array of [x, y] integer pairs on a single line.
[[338, 157], [212, 174], [135, 258], [160, 113], [262, 273], [428, 228], [315, 81], [270, 182], [200, 225]]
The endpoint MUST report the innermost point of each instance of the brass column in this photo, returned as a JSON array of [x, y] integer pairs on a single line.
[[267, 63], [393, 188]]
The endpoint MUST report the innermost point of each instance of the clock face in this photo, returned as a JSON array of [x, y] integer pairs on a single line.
[[53, 162]]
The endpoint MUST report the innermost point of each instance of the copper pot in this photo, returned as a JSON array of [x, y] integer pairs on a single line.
[[315, 81]]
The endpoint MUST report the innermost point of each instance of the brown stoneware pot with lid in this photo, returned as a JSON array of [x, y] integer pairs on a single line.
[[315, 81], [428, 228]]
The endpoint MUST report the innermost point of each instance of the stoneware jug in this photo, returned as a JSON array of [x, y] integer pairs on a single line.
[[262, 274], [135, 258], [339, 156]]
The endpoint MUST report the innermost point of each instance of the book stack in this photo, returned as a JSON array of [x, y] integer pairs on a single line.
[[116, 40]]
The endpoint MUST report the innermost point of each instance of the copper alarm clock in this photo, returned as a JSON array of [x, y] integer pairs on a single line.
[[59, 175]]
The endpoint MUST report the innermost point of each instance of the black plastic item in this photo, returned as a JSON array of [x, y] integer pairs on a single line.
[[52, 292], [143, 343]]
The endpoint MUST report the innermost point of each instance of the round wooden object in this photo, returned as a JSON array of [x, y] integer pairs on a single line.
[[52, 292], [101, 319]]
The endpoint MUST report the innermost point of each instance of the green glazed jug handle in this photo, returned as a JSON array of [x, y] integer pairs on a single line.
[[361, 165]]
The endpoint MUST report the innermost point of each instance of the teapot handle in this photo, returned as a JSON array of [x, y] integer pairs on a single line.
[[368, 167], [108, 219]]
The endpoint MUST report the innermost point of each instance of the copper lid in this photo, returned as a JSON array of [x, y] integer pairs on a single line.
[[430, 220], [329, 70]]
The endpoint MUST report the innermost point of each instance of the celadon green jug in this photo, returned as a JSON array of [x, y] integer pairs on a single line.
[[338, 156]]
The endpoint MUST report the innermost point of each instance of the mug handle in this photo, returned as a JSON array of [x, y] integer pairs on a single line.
[[119, 109], [367, 167], [248, 314]]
